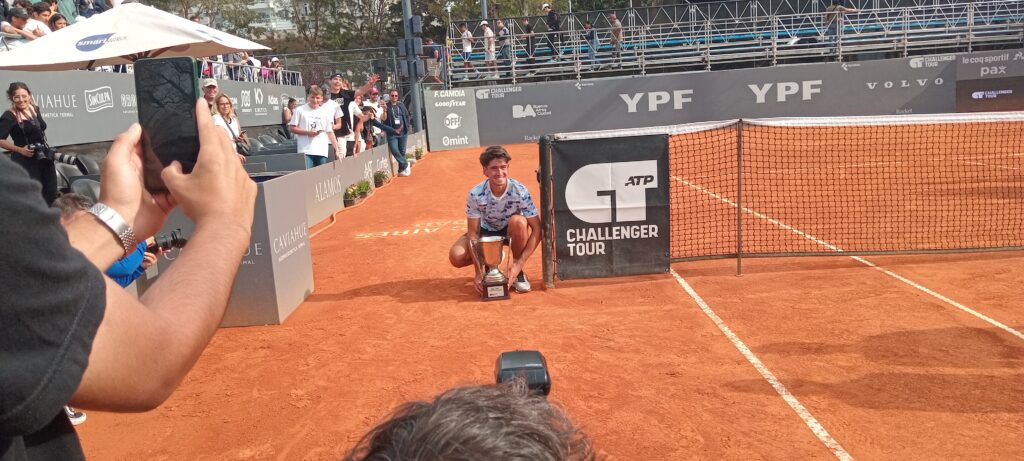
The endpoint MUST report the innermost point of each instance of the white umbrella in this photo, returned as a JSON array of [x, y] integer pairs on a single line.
[[120, 36]]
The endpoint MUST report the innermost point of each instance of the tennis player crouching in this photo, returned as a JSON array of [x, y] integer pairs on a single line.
[[499, 206]]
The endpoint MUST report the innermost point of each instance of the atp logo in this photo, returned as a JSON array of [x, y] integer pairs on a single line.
[[611, 192]]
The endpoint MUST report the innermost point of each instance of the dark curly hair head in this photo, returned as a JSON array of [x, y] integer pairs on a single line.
[[495, 422]]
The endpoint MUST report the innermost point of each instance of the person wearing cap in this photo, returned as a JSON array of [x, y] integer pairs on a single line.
[[210, 92], [275, 70], [553, 37], [616, 40], [490, 60], [17, 19], [341, 96]]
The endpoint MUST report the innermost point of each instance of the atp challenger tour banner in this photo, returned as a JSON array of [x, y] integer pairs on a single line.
[[82, 107], [611, 203]]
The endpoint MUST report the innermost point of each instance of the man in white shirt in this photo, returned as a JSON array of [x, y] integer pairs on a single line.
[[378, 107], [312, 124], [467, 49], [37, 23], [490, 61]]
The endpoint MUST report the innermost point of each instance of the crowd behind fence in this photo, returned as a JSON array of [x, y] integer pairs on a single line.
[[699, 37]]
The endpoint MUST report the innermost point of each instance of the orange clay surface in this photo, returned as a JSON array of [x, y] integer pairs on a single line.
[[888, 370]]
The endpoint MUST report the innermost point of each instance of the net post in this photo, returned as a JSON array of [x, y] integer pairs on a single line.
[[739, 197], [546, 212]]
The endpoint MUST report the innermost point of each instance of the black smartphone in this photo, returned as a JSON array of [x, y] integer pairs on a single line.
[[166, 90]]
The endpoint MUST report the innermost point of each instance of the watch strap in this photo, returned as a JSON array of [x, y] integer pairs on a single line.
[[113, 220]]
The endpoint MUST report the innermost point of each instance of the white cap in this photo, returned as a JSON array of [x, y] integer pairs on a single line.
[[483, 23], [545, 6]]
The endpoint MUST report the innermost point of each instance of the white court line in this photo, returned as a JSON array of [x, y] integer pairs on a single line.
[[992, 166], [832, 247], [780, 388]]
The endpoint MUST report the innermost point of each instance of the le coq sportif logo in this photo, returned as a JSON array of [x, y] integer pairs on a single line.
[[611, 192]]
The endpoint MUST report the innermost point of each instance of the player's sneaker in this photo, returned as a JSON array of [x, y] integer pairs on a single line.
[[521, 284], [76, 417]]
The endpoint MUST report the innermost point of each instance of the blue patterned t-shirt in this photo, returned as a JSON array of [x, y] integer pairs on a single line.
[[494, 212]]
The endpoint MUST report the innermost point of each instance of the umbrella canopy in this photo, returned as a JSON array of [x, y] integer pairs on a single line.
[[120, 36]]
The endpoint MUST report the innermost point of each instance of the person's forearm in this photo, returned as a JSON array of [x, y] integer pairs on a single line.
[[95, 240], [192, 295], [365, 88]]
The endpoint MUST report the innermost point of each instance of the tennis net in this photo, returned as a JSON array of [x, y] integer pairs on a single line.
[[849, 185]]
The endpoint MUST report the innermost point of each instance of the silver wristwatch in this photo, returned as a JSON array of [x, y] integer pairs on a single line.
[[117, 225]]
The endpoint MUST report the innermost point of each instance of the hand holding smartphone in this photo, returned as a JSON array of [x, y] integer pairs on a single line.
[[167, 90]]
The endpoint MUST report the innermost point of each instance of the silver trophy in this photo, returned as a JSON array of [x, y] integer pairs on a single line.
[[487, 254]]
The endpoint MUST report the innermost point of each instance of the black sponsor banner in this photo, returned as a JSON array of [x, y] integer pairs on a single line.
[[990, 94], [611, 202]]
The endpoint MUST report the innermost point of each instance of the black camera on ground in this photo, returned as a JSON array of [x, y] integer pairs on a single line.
[[43, 151], [166, 242]]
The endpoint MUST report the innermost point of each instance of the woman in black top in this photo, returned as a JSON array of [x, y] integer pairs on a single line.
[[25, 125]]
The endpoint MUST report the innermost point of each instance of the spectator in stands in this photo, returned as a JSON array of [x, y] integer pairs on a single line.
[[590, 36], [467, 50], [210, 92], [54, 8], [274, 74], [38, 23], [367, 122], [342, 95], [504, 45], [553, 37], [378, 107], [355, 110], [834, 17], [26, 127], [58, 22], [616, 40], [226, 119], [499, 206], [17, 20], [232, 60], [435, 62], [530, 43], [286, 116], [72, 335], [312, 127], [493, 422], [490, 59], [397, 117]]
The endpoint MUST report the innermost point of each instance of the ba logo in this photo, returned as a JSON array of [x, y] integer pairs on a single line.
[[523, 111], [611, 192], [246, 97], [93, 42], [453, 121]]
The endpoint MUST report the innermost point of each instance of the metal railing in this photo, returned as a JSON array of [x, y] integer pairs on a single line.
[[651, 43], [244, 73]]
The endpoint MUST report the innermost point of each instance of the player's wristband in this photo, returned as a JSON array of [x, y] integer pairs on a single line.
[[113, 220]]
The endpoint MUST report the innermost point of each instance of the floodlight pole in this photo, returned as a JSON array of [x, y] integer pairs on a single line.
[[483, 9]]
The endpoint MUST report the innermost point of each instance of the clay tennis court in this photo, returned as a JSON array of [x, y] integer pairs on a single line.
[[883, 357]]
